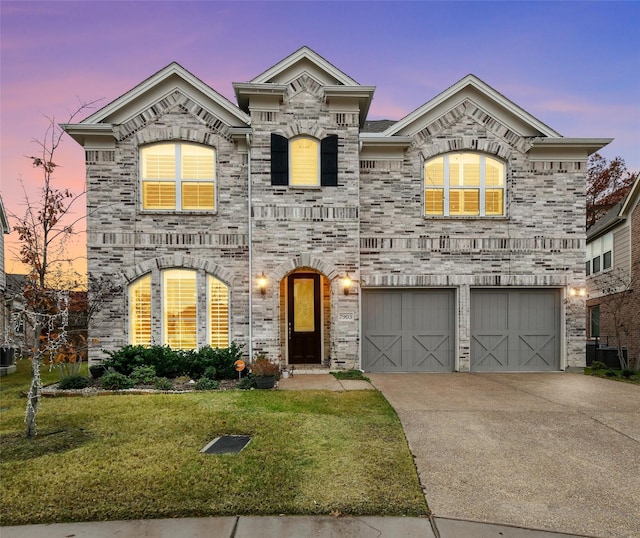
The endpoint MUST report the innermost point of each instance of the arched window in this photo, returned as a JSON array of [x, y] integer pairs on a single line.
[[304, 161], [181, 313], [140, 312], [177, 176], [464, 184]]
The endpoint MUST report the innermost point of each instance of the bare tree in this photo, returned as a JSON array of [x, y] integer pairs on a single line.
[[48, 223]]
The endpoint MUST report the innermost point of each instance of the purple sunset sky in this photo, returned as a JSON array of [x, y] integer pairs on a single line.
[[573, 65]]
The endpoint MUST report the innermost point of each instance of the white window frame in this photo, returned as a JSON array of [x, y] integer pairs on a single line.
[[446, 187], [318, 161], [177, 178], [203, 309]]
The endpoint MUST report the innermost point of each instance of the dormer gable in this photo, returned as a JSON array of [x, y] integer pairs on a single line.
[[170, 87], [473, 90], [304, 61], [301, 70], [486, 106]]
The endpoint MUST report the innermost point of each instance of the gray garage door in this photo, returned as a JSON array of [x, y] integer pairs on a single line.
[[515, 330], [408, 330]]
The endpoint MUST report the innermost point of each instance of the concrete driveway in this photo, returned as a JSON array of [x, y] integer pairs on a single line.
[[553, 451]]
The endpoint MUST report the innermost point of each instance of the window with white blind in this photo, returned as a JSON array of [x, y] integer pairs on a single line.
[[304, 165], [140, 312], [600, 254], [177, 176], [464, 184], [180, 314]]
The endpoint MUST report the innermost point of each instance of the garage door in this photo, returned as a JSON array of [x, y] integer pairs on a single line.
[[408, 330], [515, 330]]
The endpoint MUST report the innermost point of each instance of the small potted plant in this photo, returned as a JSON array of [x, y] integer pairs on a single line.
[[264, 372]]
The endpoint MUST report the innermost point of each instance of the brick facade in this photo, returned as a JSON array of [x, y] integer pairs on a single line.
[[371, 226]]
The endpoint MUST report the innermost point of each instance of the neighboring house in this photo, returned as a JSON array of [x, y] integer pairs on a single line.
[[290, 224], [613, 276], [6, 356], [4, 229], [18, 333]]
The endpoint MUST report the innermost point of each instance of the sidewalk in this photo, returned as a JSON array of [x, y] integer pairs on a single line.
[[277, 527]]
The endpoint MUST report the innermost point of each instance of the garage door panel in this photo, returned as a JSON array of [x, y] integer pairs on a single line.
[[490, 350], [429, 352], [515, 330], [384, 350], [408, 330]]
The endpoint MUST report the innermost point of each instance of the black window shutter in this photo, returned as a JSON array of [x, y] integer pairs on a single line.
[[279, 160], [329, 161]]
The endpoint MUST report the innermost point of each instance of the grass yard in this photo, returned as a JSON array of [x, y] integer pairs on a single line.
[[128, 457]]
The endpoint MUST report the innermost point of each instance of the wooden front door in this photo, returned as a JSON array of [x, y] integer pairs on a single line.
[[304, 321]]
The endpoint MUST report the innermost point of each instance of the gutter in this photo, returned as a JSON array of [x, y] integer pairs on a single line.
[[249, 239]]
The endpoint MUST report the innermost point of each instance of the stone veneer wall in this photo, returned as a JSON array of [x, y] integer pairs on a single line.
[[306, 227], [540, 241], [123, 241]]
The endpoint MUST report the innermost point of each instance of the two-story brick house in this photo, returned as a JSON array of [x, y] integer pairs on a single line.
[[613, 276], [290, 224]]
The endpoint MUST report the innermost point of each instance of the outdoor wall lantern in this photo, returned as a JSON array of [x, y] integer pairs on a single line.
[[262, 283], [577, 292], [347, 283]]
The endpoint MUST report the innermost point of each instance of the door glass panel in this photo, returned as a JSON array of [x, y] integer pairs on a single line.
[[303, 307]]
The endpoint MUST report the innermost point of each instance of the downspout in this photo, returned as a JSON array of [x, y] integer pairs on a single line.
[[249, 239]]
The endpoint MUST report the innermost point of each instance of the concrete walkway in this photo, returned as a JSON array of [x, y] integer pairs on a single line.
[[555, 451], [275, 527]]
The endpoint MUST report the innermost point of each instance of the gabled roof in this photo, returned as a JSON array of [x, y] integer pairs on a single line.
[[4, 223], [485, 97], [304, 60], [305, 63], [172, 78], [618, 214]]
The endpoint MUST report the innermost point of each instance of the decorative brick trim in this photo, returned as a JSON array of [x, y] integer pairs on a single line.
[[429, 135], [454, 281], [177, 100], [100, 156], [181, 261], [304, 127], [306, 261], [304, 83], [141, 239], [471, 244], [302, 213]]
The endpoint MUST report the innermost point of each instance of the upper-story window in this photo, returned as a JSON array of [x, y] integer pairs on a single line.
[[464, 184], [304, 161], [178, 176], [600, 254]]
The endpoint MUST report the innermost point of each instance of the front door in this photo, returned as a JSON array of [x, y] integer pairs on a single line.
[[304, 321]]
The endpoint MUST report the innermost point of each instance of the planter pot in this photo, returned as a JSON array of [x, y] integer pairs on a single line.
[[265, 382]]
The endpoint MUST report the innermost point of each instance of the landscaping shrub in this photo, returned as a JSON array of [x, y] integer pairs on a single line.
[[246, 383], [210, 372], [115, 381], [597, 365], [627, 373], [162, 383], [610, 373], [205, 383], [143, 375], [73, 382], [172, 363]]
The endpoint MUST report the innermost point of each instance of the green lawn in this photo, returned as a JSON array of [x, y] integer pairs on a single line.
[[127, 457]]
